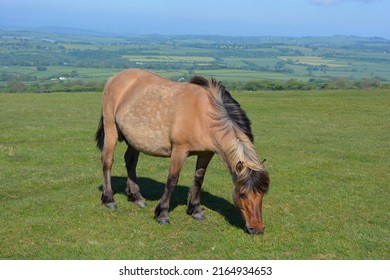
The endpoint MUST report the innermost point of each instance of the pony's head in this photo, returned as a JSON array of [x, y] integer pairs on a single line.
[[250, 187]]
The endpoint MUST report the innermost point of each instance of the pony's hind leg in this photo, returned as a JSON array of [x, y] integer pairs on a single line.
[[107, 158], [133, 191], [193, 207]]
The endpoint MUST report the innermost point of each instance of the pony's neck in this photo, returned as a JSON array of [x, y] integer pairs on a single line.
[[239, 155], [235, 147]]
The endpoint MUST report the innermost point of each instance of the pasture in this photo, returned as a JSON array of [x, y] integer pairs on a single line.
[[328, 155]]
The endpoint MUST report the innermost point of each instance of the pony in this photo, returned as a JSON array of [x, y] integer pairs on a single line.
[[163, 118]]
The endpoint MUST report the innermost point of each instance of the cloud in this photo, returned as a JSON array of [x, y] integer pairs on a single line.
[[334, 2]]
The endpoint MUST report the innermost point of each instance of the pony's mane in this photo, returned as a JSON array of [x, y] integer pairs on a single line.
[[231, 117], [236, 114]]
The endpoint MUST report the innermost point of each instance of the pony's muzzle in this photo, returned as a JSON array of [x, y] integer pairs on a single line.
[[252, 230]]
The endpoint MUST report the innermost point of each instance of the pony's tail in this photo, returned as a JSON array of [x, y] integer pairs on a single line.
[[100, 135]]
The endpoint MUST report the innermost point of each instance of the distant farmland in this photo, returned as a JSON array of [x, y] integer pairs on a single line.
[[33, 61], [311, 60]]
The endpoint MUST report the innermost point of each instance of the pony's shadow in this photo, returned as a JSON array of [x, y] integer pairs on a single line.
[[153, 190]]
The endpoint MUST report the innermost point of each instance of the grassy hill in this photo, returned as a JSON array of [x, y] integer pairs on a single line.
[[328, 157]]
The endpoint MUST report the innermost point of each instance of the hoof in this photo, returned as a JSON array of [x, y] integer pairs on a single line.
[[111, 205], [141, 203], [137, 198], [164, 221], [198, 216]]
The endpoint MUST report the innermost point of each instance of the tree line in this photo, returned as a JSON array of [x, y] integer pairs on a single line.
[[311, 84], [79, 85]]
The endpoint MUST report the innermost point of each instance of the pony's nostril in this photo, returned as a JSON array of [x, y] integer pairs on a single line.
[[252, 230]]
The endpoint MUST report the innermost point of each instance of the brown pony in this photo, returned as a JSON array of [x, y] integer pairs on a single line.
[[163, 118]]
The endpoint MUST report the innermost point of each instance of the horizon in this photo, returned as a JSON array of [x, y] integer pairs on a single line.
[[248, 18], [63, 30]]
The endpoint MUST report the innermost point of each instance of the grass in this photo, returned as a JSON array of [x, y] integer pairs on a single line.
[[328, 156]]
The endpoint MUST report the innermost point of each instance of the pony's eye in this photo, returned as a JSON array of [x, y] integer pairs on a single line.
[[242, 195]]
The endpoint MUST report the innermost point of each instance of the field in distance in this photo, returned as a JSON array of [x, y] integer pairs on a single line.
[[35, 58]]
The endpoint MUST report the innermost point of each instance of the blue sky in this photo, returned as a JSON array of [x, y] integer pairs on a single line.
[[205, 17]]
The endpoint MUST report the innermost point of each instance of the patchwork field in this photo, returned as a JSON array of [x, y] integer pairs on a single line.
[[312, 60], [162, 58], [34, 61]]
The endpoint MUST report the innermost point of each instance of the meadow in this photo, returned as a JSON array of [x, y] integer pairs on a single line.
[[328, 156]]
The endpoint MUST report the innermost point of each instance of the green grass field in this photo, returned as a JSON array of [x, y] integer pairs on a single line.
[[328, 155]]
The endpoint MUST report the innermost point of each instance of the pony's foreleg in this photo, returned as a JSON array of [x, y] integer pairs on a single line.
[[193, 207], [107, 158], [133, 191], [177, 160]]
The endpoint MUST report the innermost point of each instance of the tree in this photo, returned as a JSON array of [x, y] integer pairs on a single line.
[[41, 68]]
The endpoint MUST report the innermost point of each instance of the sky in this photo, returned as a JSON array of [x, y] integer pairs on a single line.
[[293, 18]]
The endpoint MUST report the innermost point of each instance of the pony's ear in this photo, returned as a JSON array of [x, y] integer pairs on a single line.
[[239, 167], [263, 163]]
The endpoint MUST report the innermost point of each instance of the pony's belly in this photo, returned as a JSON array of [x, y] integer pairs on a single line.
[[153, 142], [153, 150]]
